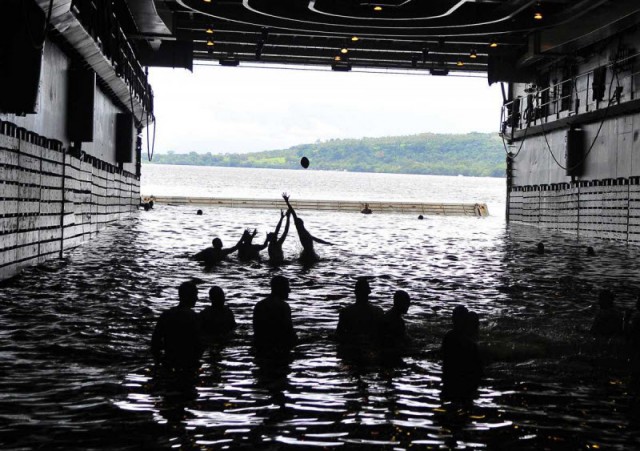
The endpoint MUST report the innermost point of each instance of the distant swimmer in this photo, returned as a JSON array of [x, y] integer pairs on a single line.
[[217, 320], [306, 239], [461, 363], [247, 250], [420, 217], [591, 252], [147, 205], [276, 255], [609, 321], [216, 253], [176, 338], [393, 331], [273, 330], [540, 248], [199, 212], [359, 323], [366, 210]]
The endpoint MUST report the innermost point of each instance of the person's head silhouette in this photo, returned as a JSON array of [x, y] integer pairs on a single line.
[[188, 294], [401, 301], [540, 248], [216, 296], [459, 317], [362, 289], [280, 287], [216, 243]]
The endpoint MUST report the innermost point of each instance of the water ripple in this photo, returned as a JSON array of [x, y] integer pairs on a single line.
[[74, 350]]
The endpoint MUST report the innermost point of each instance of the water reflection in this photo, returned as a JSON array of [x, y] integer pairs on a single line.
[[76, 333]]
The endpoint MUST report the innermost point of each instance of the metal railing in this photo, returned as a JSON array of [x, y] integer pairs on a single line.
[[583, 93]]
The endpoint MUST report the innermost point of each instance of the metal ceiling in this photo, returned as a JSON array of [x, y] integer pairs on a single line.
[[422, 35]]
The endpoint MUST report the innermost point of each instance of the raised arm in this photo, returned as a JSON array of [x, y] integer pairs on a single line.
[[263, 246], [285, 196], [279, 222], [286, 229], [232, 249]]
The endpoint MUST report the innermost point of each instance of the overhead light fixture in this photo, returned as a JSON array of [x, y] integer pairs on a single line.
[[210, 43], [337, 58], [473, 54], [375, 8], [355, 38], [459, 64], [493, 44], [341, 66], [438, 72], [344, 50], [207, 1], [537, 13], [209, 30]]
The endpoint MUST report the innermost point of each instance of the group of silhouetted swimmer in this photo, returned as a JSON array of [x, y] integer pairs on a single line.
[[180, 335], [248, 251], [540, 250]]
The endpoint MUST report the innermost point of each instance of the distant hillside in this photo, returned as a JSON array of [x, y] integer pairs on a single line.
[[471, 154]]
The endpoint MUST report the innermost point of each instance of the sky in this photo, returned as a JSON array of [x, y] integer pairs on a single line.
[[247, 109]]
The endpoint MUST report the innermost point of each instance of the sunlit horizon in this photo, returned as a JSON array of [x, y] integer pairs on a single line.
[[248, 109]]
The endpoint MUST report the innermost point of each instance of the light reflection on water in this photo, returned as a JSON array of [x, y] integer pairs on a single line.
[[78, 374]]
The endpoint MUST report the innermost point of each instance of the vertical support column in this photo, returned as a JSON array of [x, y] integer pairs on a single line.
[[578, 213], [509, 184], [63, 197]]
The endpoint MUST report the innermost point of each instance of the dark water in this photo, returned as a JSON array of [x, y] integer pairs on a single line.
[[75, 371]]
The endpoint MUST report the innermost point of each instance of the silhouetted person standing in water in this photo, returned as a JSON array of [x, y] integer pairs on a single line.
[[176, 337], [359, 323], [272, 326], [609, 321], [247, 250], [393, 331], [217, 320], [306, 239], [461, 364], [216, 253], [276, 255]]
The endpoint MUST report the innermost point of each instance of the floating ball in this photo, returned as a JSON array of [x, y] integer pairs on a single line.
[[304, 162]]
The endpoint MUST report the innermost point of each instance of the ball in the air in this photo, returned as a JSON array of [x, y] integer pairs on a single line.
[[304, 162]]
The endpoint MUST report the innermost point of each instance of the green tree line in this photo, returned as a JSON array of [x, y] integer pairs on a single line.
[[470, 154]]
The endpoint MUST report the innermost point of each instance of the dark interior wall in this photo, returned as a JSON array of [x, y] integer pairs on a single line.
[[53, 101], [51, 199], [601, 199]]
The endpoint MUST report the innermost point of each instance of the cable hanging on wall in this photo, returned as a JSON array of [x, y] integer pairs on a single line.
[[606, 114]]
